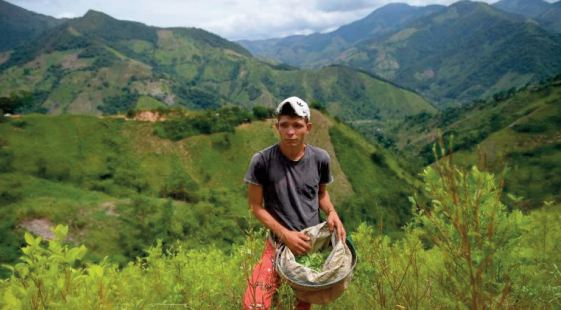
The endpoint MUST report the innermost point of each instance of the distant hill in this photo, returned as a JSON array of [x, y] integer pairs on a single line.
[[467, 51], [551, 19], [451, 55], [19, 25], [548, 15], [518, 130], [97, 64], [528, 8], [119, 186], [319, 49]]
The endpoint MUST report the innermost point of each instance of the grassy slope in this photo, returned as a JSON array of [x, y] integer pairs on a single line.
[[452, 56], [530, 148], [521, 132], [103, 176]]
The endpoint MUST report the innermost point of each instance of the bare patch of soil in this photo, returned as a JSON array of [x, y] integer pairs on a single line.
[[110, 208], [149, 116], [40, 227]]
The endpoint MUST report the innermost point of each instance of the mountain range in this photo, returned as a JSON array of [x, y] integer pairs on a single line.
[[451, 55], [545, 13], [97, 64], [309, 51], [19, 25]]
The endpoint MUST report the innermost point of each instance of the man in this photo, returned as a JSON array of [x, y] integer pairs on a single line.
[[286, 188]]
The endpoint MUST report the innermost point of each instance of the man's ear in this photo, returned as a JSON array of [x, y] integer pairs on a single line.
[[309, 126]]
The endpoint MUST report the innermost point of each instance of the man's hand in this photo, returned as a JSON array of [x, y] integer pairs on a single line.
[[333, 222], [297, 242]]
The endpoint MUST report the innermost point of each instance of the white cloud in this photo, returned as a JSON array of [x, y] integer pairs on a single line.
[[232, 19]]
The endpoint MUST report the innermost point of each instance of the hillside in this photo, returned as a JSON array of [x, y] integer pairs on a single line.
[[19, 25], [529, 147], [451, 55], [468, 51], [528, 8], [425, 268], [518, 130], [99, 65], [550, 18], [318, 49], [137, 186], [123, 149], [548, 15]]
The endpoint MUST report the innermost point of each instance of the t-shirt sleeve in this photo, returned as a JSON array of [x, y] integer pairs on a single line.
[[256, 171], [325, 176]]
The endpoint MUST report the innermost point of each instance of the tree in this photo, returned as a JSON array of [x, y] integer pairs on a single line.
[[179, 185], [472, 230]]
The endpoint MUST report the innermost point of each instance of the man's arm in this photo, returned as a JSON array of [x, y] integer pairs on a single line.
[[333, 220], [296, 241]]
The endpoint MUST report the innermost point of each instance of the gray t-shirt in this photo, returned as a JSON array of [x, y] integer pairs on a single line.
[[290, 188]]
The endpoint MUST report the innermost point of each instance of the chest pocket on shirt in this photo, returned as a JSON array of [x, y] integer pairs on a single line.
[[309, 190]]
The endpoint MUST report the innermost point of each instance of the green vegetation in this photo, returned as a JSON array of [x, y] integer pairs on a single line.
[[155, 213], [262, 112], [381, 200], [514, 129], [118, 203], [119, 104], [438, 59], [23, 102], [149, 103], [447, 54], [121, 184], [99, 65], [314, 260], [19, 25], [462, 250], [545, 13], [210, 121]]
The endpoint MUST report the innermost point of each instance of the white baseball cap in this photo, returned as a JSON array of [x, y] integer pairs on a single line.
[[300, 106]]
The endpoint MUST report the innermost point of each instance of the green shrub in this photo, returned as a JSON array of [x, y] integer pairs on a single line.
[[533, 127], [212, 121], [179, 185], [119, 104], [262, 112], [472, 231], [463, 250]]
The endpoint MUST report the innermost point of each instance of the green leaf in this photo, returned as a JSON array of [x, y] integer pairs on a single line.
[[10, 301], [9, 267], [61, 231], [28, 238], [95, 271]]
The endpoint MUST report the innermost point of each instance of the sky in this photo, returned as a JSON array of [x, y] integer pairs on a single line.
[[231, 19]]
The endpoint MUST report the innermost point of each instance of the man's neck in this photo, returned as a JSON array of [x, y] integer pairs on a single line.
[[293, 153]]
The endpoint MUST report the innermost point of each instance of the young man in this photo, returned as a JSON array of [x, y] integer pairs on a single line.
[[286, 189]]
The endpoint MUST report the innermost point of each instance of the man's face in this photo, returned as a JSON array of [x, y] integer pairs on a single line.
[[292, 130]]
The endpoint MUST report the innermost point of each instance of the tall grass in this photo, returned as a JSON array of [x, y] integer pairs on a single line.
[[464, 249]]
